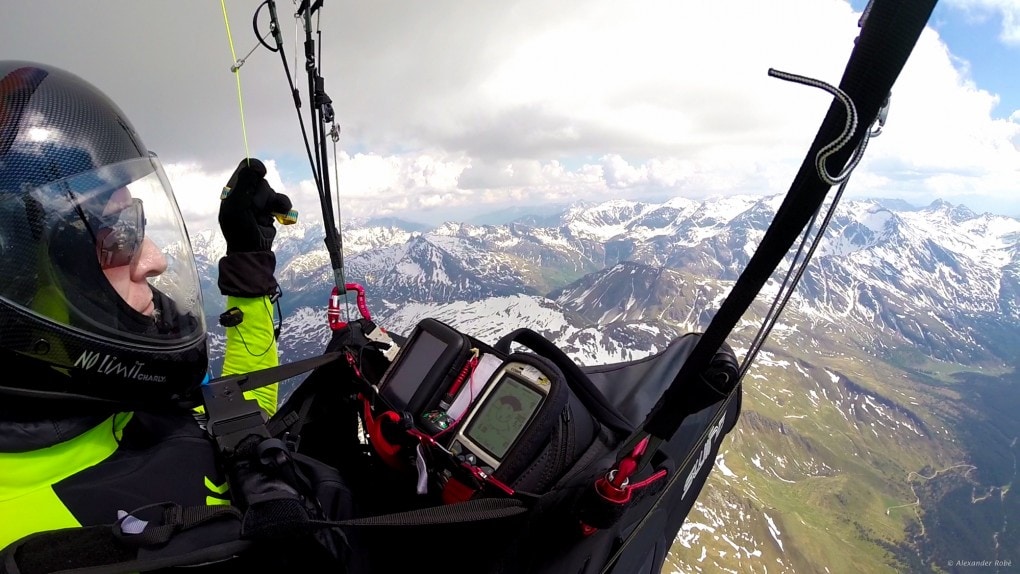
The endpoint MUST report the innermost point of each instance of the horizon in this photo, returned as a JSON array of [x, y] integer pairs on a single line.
[[513, 213], [497, 213]]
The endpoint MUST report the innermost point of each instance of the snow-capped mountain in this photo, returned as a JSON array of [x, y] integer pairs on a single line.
[[915, 278], [437, 268], [926, 279], [855, 395]]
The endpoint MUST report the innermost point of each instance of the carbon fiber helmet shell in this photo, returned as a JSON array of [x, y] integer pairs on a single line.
[[66, 150]]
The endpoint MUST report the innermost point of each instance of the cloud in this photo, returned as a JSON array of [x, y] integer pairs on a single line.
[[942, 139], [448, 106]]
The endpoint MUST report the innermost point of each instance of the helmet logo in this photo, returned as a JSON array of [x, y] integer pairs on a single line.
[[107, 364]]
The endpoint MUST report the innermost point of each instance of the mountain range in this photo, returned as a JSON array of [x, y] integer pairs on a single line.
[[878, 419]]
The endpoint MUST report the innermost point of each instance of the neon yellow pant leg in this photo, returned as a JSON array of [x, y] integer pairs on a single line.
[[251, 346]]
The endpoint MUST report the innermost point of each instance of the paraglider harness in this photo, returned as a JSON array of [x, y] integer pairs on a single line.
[[458, 455]]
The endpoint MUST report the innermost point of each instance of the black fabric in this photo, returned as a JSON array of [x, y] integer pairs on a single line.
[[145, 469], [538, 529], [27, 425], [634, 387], [174, 518], [650, 525], [325, 406], [248, 274], [246, 221], [63, 549], [472, 536], [206, 546], [282, 496], [478, 510]]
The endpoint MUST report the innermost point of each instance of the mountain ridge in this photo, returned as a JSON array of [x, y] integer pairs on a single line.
[[866, 380]]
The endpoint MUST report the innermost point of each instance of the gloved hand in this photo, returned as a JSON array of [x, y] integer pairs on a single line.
[[246, 220], [247, 208]]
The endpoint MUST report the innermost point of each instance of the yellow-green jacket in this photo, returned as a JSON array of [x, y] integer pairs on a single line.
[[127, 460]]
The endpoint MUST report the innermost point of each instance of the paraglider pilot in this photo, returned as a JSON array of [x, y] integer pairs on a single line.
[[102, 334]]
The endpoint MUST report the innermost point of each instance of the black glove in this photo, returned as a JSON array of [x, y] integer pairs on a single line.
[[246, 213], [246, 220]]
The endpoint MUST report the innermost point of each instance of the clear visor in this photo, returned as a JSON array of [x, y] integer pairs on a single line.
[[114, 257]]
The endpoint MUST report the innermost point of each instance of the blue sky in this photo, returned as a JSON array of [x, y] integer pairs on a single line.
[[993, 63], [450, 108], [974, 33]]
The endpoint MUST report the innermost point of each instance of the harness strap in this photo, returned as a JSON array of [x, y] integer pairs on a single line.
[[261, 378], [107, 550], [174, 519]]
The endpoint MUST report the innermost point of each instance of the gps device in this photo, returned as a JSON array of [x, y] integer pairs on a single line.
[[506, 409], [425, 366]]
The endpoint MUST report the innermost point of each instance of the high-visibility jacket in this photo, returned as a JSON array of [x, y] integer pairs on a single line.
[[128, 461], [131, 460]]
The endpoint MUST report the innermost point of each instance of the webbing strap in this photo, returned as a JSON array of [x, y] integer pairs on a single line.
[[886, 40], [263, 377], [175, 519], [476, 510]]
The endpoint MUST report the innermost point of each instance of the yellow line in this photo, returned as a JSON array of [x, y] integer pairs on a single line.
[[237, 75]]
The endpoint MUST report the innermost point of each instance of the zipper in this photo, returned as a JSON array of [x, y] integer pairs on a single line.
[[565, 443]]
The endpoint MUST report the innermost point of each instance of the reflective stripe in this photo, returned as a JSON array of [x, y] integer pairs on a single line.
[[217, 489], [213, 501], [27, 501]]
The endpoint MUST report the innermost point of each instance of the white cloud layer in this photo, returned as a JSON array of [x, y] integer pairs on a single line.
[[450, 107]]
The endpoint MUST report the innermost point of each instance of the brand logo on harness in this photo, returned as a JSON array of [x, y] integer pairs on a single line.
[[706, 451], [112, 365]]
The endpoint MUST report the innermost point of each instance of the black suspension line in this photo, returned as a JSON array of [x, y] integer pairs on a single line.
[[320, 113]]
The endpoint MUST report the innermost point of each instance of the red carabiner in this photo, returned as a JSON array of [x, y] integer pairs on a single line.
[[333, 310]]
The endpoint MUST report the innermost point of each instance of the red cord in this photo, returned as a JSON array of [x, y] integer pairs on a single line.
[[469, 368]]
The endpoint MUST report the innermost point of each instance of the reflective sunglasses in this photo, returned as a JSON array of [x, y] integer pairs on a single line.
[[120, 238]]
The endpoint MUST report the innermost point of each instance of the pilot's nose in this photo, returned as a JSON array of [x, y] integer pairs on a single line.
[[151, 262]]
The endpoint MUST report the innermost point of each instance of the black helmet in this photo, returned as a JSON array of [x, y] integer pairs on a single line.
[[99, 295]]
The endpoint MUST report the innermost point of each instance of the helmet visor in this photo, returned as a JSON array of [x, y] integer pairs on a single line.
[[115, 259]]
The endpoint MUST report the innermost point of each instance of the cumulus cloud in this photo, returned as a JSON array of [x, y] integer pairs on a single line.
[[447, 106]]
